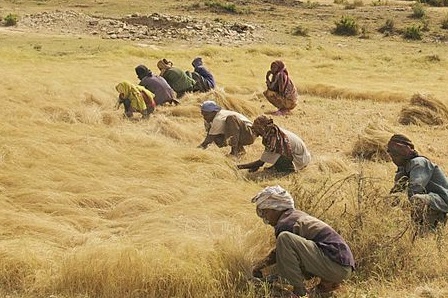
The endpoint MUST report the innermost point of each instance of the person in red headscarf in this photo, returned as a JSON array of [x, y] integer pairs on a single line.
[[285, 150], [281, 91], [426, 184]]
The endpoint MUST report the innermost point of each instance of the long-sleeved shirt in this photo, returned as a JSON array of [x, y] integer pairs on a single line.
[[326, 238], [178, 80], [425, 177], [161, 89], [207, 75], [300, 154]]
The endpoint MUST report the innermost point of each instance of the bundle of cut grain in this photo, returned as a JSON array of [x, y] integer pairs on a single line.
[[424, 109], [332, 164], [372, 142], [247, 107]]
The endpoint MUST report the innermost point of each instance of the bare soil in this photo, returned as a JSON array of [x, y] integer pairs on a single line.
[[275, 22]]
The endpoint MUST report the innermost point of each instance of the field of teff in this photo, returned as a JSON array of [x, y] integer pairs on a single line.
[[92, 205]]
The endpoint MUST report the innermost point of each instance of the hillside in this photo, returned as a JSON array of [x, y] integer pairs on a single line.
[[93, 205]]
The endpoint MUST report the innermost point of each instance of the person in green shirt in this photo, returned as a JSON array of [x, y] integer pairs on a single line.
[[176, 78]]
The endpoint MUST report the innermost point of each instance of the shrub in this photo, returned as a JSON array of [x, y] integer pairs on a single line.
[[445, 22], [418, 11], [380, 3], [435, 2], [413, 32], [11, 20], [227, 7], [311, 5], [364, 33], [347, 25], [425, 23], [388, 28], [300, 31], [356, 3]]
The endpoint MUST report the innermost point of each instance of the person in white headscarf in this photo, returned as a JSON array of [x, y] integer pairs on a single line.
[[305, 246], [224, 127]]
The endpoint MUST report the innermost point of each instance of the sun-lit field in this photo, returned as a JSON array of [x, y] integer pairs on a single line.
[[93, 205]]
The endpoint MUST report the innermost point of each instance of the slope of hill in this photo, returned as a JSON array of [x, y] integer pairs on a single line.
[[93, 205]]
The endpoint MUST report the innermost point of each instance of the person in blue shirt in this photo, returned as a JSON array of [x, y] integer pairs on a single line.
[[426, 184], [203, 77]]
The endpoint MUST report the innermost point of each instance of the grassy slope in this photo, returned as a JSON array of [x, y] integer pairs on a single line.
[[92, 204]]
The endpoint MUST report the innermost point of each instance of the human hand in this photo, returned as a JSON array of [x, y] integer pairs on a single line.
[[256, 272], [253, 169]]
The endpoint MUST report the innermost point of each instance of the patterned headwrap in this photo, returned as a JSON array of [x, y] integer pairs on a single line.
[[279, 71], [274, 139], [402, 146], [133, 93], [164, 65], [273, 197]]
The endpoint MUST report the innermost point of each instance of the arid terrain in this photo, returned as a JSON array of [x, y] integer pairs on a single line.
[[95, 206]]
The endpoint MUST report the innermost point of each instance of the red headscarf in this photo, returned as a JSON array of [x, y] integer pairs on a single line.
[[274, 139], [278, 70]]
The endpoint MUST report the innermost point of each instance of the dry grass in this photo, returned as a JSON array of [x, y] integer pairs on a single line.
[[372, 143], [92, 205], [424, 109]]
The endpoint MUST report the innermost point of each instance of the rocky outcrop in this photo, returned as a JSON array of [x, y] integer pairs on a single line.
[[155, 28]]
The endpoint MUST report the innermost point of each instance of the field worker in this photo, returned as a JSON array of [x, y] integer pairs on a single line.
[[176, 78], [283, 149], [305, 246], [163, 93], [281, 91], [135, 99], [225, 127], [203, 77], [427, 184]]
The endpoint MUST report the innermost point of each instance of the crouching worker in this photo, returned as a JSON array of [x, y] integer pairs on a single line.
[[203, 77], [176, 78], [281, 91], [305, 247], [426, 184], [226, 128], [283, 149], [135, 99], [163, 93]]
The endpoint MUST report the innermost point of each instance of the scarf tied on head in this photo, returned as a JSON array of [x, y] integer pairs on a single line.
[[402, 146], [140, 97], [278, 70], [274, 139], [164, 65], [142, 71], [273, 197]]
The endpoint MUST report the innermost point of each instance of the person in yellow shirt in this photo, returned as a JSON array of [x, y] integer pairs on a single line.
[[135, 99]]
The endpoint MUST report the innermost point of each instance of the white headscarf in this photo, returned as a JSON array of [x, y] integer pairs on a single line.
[[273, 197]]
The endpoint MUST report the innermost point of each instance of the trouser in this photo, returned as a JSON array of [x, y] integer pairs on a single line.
[[423, 216], [284, 164], [279, 101], [129, 111], [299, 258], [201, 84], [236, 134]]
